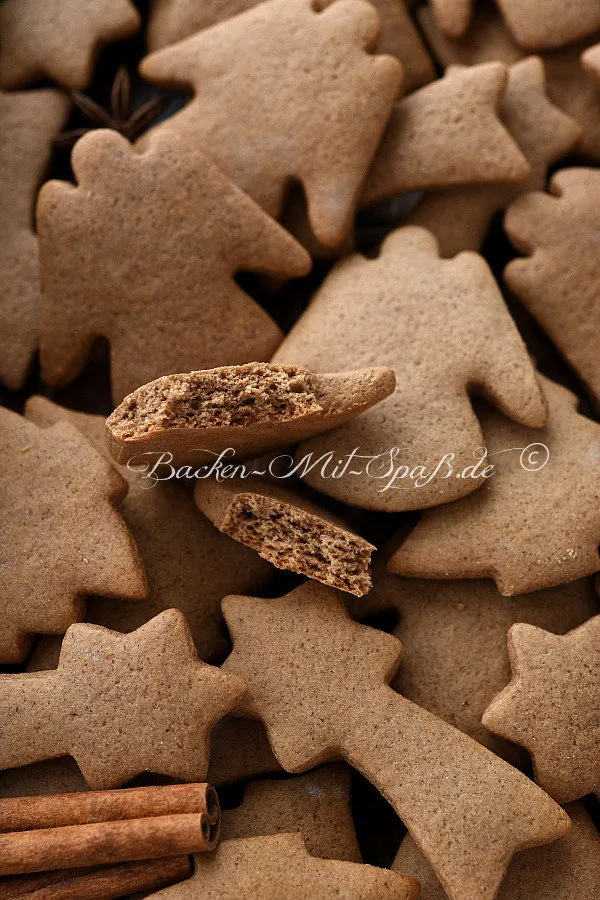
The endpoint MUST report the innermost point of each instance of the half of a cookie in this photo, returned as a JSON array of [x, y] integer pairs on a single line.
[[288, 530], [250, 408]]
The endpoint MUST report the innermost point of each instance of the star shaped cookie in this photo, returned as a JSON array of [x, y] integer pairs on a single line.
[[59, 39], [28, 122], [552, 706], [462, 625], [285, 93], [536, 521], [319, 681], [442, 326], [460, 217], [61, 537], [447, 133], [558, 281], [164, 295], [120, 704]]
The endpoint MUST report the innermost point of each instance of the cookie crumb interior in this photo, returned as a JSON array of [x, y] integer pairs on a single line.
[[227, 396], [301, 542]]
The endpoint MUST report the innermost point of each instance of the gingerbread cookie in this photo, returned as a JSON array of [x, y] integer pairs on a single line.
[[189, 564], [173, 20], [59, 39], [590, 60], [288, 530], [536, 523], [546, 24], [248, 410], [573, 87], [467, 808], [460, 217], [303, 100], [570, 86], [487, 39], [316, 804], [443, 327], [534, 24], [567, 869], [452, 16], [447, 133], [239, 749], [120, 704], [28, 122], [280, 866], [458, 624], [199, 231], [558, 281], [61, 537], [552, 706]]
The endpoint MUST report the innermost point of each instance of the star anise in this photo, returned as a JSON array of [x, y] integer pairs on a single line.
[[119, 116]]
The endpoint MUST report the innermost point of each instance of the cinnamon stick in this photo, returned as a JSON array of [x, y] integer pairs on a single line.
[[85, 807], [105, 842], [98, 883]]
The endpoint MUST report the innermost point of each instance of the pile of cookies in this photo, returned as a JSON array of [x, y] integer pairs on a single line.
[[299, 424]]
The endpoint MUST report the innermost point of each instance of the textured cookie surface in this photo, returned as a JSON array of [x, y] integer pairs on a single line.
[[28, 122], [173, 20], [120, 704], [190, 565], [460, 217], [61, 537], [287, 93], [288, 530], [552, 706], [243, 410], [443, 327], [199, 230], [316, 804], [59, 39], [567, 869], [462, 625], [558, 283], [546, 24], [280, 866], [319, 682], [536, 521], [447, 133]]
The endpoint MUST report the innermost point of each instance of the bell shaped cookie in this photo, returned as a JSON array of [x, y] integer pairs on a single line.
[[535, 523], [443, 328]]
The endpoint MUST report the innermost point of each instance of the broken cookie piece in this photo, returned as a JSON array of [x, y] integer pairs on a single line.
[[251, 409], [288, 531]]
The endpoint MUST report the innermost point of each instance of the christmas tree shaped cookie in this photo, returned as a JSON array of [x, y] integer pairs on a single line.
[[163, 294], [285, 93]]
